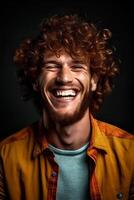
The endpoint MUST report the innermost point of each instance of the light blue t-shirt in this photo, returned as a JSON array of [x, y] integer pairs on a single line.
[[73, 179]]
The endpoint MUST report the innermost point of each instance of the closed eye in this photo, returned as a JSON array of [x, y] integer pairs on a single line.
[[52, 67], [78, 67]]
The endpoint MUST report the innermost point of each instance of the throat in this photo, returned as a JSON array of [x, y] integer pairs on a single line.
[[69, 137]]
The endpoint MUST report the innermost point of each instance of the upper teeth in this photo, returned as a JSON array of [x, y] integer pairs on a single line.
[[65, 93]]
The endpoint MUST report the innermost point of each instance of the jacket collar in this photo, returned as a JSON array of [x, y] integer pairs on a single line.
[[98, 138], [41, 143], [97, 142]]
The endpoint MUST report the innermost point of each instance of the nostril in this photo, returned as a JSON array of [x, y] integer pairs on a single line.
[[59, 79]]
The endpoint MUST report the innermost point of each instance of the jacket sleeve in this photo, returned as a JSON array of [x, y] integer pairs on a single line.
[[3, 190], [131, 191]]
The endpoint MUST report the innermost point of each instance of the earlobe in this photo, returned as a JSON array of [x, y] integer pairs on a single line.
[[35, 86], [94, 81]]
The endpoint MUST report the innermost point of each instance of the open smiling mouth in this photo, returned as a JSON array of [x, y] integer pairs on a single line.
[[65, 94]]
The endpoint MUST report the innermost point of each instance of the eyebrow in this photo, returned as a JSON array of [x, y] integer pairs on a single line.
[[59, 63], [52, 62], [78, 62]]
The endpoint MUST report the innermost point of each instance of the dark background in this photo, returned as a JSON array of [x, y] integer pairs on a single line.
[[21, 20]]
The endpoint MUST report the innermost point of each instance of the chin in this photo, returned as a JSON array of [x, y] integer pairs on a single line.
[[66, 118]]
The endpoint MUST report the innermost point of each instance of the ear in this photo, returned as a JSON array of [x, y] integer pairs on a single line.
[[94, 81], [35, 86]]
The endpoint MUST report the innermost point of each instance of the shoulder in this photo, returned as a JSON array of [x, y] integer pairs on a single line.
[[18, 141], [117, 140], [113, 131]]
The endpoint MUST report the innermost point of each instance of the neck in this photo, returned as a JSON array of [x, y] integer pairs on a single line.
[[72, 136]]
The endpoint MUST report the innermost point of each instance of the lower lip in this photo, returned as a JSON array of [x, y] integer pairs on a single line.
[[64, 99]]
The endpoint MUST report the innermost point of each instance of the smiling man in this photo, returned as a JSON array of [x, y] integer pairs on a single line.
[[67, 155], [65, 84]]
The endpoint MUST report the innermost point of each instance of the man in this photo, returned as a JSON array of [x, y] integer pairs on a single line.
[[67, 155]]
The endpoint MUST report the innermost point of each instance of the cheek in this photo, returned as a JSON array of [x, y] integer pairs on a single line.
[[85, 81], [42, 85], [44, 80]]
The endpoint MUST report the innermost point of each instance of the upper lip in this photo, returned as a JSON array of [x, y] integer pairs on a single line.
[[65, 88]]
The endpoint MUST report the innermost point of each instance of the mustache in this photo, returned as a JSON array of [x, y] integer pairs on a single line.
[[53, 85]]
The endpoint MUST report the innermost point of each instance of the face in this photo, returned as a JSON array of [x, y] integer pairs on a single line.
[[65, 84]]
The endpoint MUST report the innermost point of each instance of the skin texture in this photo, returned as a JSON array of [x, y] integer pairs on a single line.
[[66, 84]]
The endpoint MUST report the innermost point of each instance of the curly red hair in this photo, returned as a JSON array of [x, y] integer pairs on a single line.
[[79, 39]]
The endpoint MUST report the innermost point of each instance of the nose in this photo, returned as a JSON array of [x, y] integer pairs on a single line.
[[65, 75]]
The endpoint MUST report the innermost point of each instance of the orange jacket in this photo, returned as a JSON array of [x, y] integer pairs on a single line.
[[28, 170]]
